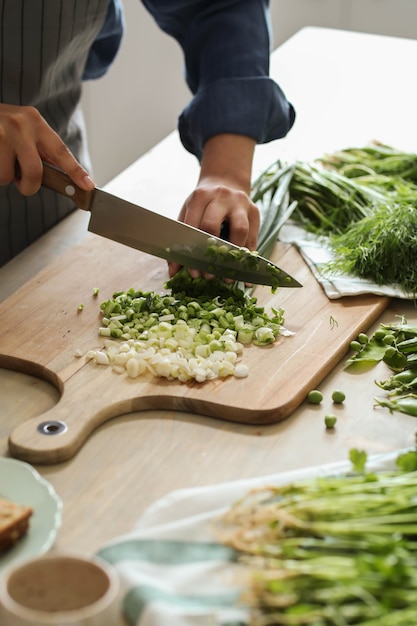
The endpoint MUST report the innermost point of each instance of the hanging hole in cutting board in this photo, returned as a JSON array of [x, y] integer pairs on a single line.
[[52, 427]]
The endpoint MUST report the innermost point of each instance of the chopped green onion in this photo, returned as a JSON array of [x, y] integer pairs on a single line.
[[196, 331]]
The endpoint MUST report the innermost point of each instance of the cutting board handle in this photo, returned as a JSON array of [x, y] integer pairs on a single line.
[[88, 400], [55, 179], [91, 396]]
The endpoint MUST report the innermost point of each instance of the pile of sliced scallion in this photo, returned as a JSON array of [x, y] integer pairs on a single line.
[[330, 551], [197, 329], [363, 202]]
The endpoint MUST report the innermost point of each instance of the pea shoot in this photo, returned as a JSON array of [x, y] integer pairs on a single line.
[[330, 550], [396, 346], [404, 404]]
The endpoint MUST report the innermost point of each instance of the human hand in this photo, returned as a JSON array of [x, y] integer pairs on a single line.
[[222, 195], [213, 204], [27, 139]]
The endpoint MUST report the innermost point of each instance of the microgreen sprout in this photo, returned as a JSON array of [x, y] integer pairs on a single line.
[[330, 550]]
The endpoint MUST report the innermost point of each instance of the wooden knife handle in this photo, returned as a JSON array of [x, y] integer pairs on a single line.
[[55, 179]]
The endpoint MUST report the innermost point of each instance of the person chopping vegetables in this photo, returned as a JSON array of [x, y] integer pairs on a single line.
[[48, 48]]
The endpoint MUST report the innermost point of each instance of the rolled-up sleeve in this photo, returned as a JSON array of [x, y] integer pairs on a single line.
[[226, 45], [107, 44]]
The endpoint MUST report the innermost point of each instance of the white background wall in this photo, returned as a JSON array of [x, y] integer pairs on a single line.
[[137, 103]]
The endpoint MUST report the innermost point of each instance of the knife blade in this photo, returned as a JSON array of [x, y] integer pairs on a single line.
[[169, 239]]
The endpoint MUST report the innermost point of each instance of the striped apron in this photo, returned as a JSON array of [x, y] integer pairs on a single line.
[[44, 45]]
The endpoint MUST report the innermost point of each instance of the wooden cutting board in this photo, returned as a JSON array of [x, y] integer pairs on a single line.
[[42, 329]]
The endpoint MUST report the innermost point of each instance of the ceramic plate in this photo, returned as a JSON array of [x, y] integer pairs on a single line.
[[22, 484]]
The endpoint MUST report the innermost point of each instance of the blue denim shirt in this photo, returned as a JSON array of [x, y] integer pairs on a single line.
[[226, 46]]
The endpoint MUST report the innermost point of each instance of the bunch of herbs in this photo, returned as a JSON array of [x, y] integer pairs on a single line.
[[363, 202]]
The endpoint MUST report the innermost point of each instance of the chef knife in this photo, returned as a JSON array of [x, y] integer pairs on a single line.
[[161, 236]]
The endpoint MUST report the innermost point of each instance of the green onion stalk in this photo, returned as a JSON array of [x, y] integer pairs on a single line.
[[376, 158], [328, 202], [270, 192]]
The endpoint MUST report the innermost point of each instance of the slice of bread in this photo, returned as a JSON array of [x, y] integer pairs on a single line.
[[14, 522]]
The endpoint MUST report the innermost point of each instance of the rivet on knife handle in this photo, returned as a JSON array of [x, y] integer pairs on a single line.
[[55, 179]]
